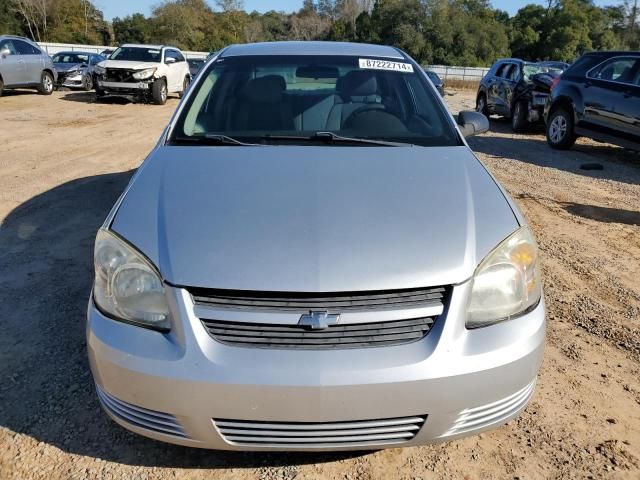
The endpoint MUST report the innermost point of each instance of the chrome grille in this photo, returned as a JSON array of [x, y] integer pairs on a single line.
[[158, 422], [485, 416], [320, 435], [330, 302], [379, 334]]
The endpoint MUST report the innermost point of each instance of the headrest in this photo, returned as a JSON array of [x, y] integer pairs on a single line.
[[358, 83], [266, 89]]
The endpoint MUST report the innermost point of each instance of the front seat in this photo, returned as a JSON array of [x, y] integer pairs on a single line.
[[262, 106], [357, 89]]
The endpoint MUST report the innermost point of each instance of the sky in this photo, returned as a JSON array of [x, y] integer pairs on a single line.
[[120, 8]]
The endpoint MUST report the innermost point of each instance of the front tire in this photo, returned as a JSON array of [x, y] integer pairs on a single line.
[[159, 91], [88, 83], [519, 117], [560, 129], [1, 87], [185, 86], [46, 84], [481, 105]]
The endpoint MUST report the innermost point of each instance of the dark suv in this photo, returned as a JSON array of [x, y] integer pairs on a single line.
[[517, 90], [598, 97]]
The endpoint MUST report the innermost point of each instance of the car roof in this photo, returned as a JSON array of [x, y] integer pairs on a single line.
[[614, 53], [312, 48], [140, 45], [76, 52]]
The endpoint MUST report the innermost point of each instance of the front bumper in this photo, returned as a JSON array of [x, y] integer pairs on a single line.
[[124, 88], [463, 381], [71, 81]]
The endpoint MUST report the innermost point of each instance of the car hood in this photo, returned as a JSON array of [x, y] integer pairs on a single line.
[[314, 219], [128, 64], [66, 67]]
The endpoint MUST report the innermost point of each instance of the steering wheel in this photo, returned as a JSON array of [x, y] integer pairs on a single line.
[[391, 121]]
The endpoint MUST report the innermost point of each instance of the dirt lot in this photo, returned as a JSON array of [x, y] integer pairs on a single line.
[[63, 162]]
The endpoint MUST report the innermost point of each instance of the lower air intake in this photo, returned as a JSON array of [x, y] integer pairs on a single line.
[[139, 417], [361, 433]]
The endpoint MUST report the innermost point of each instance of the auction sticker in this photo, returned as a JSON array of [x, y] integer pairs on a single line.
[[385, 65]]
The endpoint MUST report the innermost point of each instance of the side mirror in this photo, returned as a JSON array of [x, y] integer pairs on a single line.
[[5, 52], [472, 123], [169, 60]]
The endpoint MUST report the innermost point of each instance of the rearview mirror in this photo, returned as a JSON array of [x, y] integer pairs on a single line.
[[472, 123], [169, 60]]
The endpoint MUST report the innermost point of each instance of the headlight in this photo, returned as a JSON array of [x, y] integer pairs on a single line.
[[99, 70], [144, 74], [127, 287], [507, 282]]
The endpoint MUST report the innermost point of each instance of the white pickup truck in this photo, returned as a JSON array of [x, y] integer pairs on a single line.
[[149, 72]]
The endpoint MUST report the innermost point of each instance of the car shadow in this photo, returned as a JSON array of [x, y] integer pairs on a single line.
[[46, 389], [90, 97], [603, 214], [19, 92], [502, 143]]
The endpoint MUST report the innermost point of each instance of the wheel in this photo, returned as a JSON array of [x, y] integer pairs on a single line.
[[1, 86], [481, 105], [159, 91], [519, 117], [88, 83], [185, 86], [560, 129], [46, 84]]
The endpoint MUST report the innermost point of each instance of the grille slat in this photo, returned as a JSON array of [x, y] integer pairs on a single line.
[[320, 435], [332, 302], [140, 417], [311, 334], [335, 336], [324, 433]]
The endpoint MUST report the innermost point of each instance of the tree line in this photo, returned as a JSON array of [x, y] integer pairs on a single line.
[[449, 32]]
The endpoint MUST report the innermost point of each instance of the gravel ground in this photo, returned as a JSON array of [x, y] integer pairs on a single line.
[[64, 161]]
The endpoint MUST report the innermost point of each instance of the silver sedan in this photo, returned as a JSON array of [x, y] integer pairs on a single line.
[[313, 258]]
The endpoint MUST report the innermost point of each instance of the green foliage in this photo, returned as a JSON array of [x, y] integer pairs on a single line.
[[10, 22], [134, 28]]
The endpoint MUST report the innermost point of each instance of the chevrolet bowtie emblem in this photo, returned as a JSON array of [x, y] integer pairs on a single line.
[[318, 320]]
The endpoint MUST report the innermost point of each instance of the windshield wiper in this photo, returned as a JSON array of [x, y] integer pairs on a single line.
[[227, 140], [330, 137], [215, 139]]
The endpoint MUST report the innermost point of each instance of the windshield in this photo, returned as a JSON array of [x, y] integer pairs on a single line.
[[531, 69], [290, 99], [136, 54], [433, 76], [70, 58]]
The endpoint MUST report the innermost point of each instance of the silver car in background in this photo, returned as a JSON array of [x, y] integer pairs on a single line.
[[312, 258], [76, 70], [24, 65]]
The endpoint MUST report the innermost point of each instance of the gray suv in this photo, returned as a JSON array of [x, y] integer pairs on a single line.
[[24, 65]]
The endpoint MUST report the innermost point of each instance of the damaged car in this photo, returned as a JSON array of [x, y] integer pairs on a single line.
[[517, 90], [143, 72], [76, 70]]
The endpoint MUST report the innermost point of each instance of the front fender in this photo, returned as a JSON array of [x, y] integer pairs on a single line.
[[570, 96]]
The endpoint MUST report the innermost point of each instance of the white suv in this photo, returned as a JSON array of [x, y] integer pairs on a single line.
[[150, 72]]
